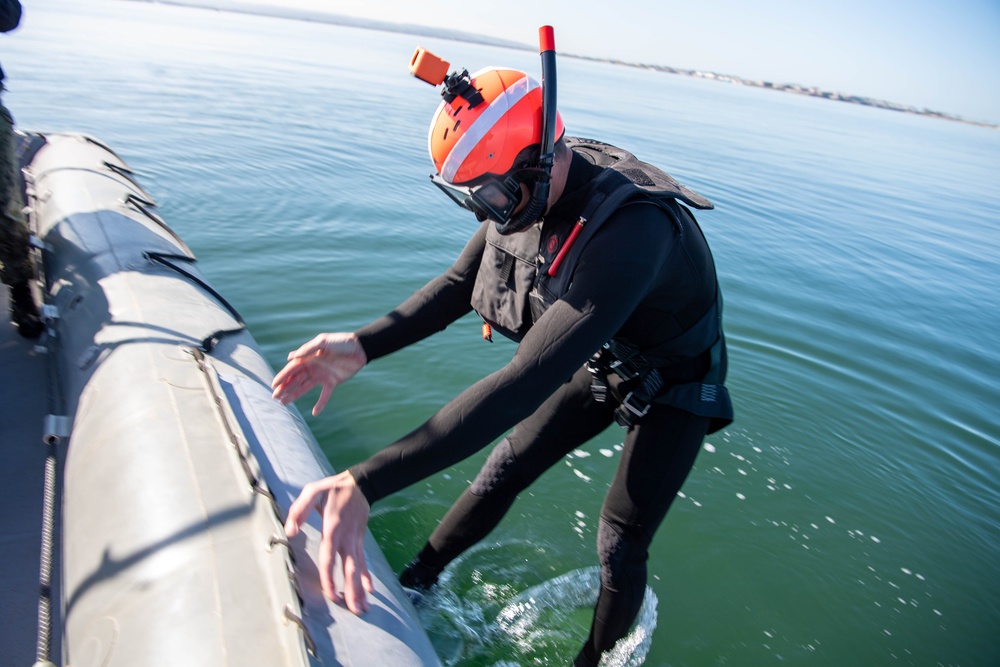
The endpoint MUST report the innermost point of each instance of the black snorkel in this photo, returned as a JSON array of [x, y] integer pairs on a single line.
[[535, 207]]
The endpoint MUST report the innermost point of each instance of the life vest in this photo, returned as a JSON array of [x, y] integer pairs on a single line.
[[521, 275]]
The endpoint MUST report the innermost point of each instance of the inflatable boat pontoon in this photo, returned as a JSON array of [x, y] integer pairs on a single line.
[[176, 467]]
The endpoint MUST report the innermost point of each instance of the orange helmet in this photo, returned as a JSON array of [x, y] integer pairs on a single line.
[[470, 140]]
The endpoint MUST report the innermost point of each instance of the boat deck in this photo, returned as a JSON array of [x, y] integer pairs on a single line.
[[23, 406]]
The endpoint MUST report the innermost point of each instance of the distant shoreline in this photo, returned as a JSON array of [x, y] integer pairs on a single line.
[[798, 89], [242, 7]]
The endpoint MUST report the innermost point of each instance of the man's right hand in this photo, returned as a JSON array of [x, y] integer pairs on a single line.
[[345, 518], [328, 360]]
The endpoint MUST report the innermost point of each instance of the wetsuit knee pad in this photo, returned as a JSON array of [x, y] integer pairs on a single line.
[[497, 471], [622, 555]]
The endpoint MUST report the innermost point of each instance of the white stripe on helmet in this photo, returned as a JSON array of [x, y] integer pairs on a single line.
[[481, 127]]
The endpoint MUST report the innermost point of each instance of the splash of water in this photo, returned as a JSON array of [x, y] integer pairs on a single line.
[[544, 624], [543, 609]]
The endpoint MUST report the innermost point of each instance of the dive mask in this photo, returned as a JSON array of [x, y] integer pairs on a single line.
[[494, 198]]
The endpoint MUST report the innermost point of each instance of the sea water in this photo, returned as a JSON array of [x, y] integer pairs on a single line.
[[850, 516]]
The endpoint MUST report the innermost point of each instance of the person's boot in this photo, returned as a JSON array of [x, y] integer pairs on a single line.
[[584, 660], [417, 579], [24, 312], [419, 575]]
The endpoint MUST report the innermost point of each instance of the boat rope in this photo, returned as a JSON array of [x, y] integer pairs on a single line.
[[276, 540], [167, 260], [258, 485], [219, 398], [297, 620]]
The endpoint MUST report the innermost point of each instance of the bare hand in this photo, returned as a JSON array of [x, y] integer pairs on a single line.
[[345, 520], [328, 360]]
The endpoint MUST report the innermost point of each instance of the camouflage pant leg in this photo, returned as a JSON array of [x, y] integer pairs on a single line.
[[16, 263]]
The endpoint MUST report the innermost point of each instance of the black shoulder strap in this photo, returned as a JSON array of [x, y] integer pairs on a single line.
[[611, 190], [646, 177], [623, 178]]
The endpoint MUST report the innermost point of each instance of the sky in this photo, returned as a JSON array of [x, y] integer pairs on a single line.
[[942, 55]]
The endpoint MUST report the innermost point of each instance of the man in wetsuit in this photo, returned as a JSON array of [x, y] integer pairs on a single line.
[[642, 281]]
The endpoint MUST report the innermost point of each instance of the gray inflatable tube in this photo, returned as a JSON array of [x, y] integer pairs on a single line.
[[180, 467]]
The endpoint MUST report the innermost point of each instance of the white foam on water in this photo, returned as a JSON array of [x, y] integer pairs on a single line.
[[543, 609]]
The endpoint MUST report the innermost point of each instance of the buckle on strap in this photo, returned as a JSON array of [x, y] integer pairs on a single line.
[[599, 388], [598, 366], [631, 410], [644, 381]]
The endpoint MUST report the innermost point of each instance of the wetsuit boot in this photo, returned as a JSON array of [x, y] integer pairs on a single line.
[[24, 312], [418, 578], [583, 660]]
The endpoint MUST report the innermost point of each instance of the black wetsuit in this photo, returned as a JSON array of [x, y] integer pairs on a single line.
[[634, 278]]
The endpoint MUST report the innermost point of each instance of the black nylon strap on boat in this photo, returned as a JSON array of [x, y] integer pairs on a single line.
[[208, 343], [142, 206], [129, 175]]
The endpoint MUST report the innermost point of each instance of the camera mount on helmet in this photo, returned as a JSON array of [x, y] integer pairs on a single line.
[[428, 67], [460, 85]]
